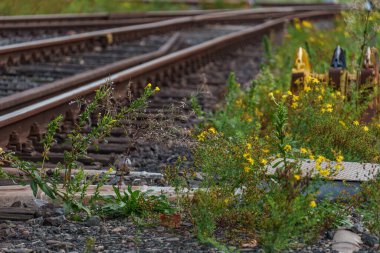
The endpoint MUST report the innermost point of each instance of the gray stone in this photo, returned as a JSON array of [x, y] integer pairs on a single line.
[[329, 235], [93, 221], [55, 221], [357, 228], [37, 221], [18, 250], [370, 240], [173, 239]]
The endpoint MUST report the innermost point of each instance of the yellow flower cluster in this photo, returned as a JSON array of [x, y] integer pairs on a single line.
[[149, 85], [202, 136], [313, 204], [327, 108], [287, 147], [247, 156], [298, 24], [263, 161], [324, 172], [339, 159], [306, 151]]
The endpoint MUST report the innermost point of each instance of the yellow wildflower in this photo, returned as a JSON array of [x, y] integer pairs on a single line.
[[246, 155], [342, 123], [226, 201], [338, 166], [297, 177], [329, 109], [110, 170], [290, 93], [270, 95], [324, 173], [296, 98], [356, 123], [321, 159], [250, 160], [287, 147], [306, 24], [319, 98], [313, 204], [265, 150], [294, 105], [157, 88], [366, 129], [149, 85], [303, 150], [249, 145], [263, 161], [306, 88], [247, 169], [202, 136], [311, 157], [339, 158], [212, 130], [284, 96]]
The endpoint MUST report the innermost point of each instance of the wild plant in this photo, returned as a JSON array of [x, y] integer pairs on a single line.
[[73, 192]]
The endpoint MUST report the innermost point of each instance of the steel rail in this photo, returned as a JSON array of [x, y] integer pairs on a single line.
[[19, 99], [35, 50], [78, 24], [110, 23], [16, 123], [100, 16]]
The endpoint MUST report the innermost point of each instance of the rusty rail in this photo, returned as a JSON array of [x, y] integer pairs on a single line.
[[99, 16], [19, 99], [34, 51], [14, 125], [78, 24]]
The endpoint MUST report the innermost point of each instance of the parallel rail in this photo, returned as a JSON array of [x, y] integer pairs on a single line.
[[159, 71], [34, 51]]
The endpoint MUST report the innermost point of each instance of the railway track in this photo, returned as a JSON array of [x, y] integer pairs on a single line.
[[18, 29], [65, 56], [197, 68], [167, 72]]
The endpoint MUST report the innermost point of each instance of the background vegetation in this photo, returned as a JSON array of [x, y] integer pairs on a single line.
[[26, 7]]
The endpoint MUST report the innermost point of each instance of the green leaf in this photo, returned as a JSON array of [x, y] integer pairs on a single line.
[[34, 187]]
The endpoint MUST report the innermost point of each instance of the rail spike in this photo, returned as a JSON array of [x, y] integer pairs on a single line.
[[338, 75], [300, 70], [14, 143], [370, 69]]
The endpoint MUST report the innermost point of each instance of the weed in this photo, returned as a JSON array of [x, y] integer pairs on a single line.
[[73, 192]]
